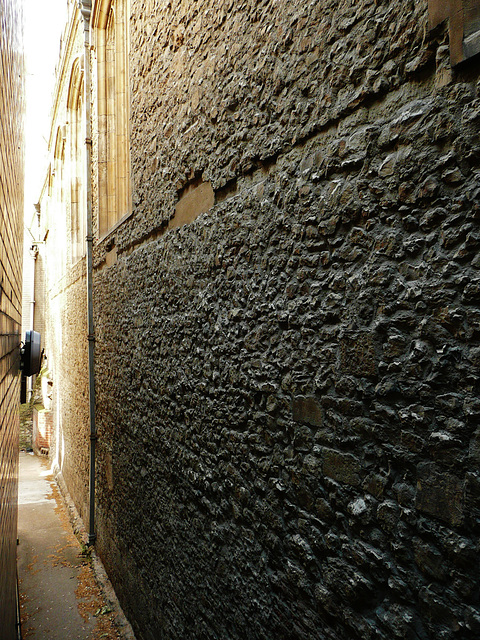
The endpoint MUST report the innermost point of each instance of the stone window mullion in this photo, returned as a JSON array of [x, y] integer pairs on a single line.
[[113, 116]]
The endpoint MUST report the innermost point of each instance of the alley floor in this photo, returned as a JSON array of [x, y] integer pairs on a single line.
[[59, 596]]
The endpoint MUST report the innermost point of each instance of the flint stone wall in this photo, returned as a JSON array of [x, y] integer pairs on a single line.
[[288, 385]]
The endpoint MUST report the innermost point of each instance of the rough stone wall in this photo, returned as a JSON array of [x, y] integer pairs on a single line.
[[64, 283], [39, 319], [66, 351], [11, 245], [28, 275], [33, 275], [75, 389], [288, 386]]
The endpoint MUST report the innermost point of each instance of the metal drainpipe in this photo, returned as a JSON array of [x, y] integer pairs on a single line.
[[85, 7]]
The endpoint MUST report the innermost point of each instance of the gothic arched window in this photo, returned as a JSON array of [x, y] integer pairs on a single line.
[[111, 24], [77, 163]]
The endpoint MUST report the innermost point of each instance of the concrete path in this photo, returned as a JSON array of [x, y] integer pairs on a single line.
[[59, 597]]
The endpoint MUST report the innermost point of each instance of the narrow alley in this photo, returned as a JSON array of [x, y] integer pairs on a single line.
[[59, 595], [240, 317]]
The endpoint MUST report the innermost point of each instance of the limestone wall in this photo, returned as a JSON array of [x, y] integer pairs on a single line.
[[11, 236], [62, 271], [288, 385]]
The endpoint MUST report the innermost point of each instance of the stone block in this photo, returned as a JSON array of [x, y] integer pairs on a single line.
[[472, 499], [439, 494], [429, 559], [307, 409], [341, 467], [357, 354], [193, 202]]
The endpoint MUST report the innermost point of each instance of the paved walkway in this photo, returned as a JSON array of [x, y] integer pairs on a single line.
[[59, 596]]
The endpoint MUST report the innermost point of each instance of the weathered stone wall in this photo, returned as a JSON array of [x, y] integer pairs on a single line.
[[66, 351], [11, 245], [64, 283], [288, 386]]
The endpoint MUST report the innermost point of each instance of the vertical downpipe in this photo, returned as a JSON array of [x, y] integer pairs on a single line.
[[86, 9]]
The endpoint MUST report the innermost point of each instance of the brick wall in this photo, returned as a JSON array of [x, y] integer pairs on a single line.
[[11, 234], [288, 385]]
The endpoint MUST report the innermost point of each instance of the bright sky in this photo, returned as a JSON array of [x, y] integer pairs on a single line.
[[43, 27]]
